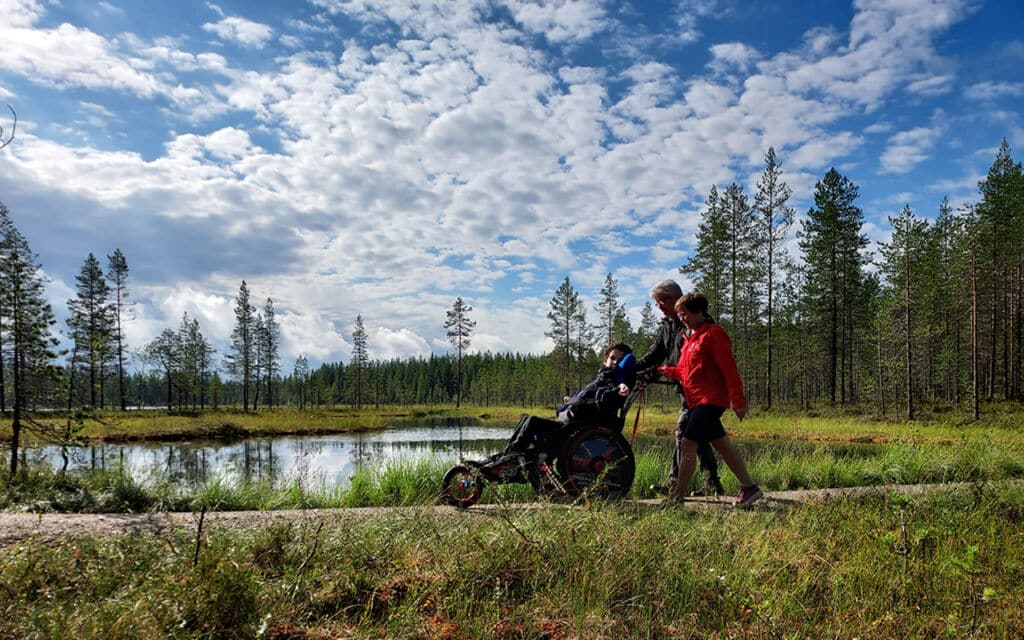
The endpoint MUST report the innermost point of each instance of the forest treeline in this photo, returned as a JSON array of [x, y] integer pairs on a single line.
[[934, 318]]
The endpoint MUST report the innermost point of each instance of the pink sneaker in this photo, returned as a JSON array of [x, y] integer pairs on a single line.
[[748, 495]]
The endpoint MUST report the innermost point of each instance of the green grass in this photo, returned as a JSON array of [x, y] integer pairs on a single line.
[[775, 465], [950, 565], [947, 565]]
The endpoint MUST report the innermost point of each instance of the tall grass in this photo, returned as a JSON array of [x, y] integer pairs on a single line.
[[775, 466], [944, 566]]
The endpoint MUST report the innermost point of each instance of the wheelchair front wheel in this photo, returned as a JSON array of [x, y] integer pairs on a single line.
[[461, 487]]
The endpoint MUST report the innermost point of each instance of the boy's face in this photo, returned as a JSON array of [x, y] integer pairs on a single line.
[[614, 357]]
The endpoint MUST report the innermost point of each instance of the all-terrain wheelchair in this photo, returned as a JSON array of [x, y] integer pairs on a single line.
[[588, 458]]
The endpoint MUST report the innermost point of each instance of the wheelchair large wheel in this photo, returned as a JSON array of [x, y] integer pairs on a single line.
[[461, 487], [597, 462]]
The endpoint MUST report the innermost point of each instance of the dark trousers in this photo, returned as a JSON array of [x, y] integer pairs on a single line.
[[529, 430], [706, 455]]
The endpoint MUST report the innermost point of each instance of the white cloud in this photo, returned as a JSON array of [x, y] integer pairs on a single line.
[[984, 91], [932, 85], [72, 57], [730, 55], [388, 344], [889, 44], [383, 178], [559, 20], [908, 149], [18, 14], [245, 32]]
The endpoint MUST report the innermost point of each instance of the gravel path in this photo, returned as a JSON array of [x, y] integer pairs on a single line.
[[16, 528]]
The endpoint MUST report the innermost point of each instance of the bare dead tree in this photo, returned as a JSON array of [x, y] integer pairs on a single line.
[[14, 125]]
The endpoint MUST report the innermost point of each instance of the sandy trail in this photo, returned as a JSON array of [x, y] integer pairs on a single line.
[[16, 528]]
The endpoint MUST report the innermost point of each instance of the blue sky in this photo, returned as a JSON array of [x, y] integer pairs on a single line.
[[382, 157]]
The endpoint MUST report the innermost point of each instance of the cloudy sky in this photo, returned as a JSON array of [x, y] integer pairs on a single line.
[[382, 157]]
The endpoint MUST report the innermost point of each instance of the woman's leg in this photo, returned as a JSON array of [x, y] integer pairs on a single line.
[[733, 459]]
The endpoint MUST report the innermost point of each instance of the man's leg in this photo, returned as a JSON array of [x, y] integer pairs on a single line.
[[673, 473], [687, 464], [709, 464]]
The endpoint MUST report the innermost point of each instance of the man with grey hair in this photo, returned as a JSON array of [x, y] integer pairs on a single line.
[[665, 349]]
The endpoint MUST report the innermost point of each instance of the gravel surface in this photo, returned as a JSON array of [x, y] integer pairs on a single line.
[[16, 528]]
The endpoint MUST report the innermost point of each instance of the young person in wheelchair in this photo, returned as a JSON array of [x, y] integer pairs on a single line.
[[597, 403]]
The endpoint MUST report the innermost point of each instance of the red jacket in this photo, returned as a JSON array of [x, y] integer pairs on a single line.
[[707, 369]]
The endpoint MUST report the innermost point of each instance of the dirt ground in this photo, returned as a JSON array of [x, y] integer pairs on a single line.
[[16, 528]]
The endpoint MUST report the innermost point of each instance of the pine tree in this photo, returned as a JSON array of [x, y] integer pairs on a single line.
[[117, 275], [6, 234], [944, 260], [29, 321], [165, 352], [902, 257], [240, 362], [776, 217], [270, 341], [1001, 216], [301, 375], [708, 267], [648, 329], [459, 329], [610, 312], [832, 242], [568, 319], [91, 320], [195, 355]]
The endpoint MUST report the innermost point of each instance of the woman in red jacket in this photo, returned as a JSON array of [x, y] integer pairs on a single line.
[[711, 383]]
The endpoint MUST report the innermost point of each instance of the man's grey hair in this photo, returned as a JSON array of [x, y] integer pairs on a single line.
[[666, 289]]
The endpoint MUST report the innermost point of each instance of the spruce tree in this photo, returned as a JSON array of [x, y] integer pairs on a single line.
[[360, 360]]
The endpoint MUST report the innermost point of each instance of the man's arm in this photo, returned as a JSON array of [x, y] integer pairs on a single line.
[[657, 352]]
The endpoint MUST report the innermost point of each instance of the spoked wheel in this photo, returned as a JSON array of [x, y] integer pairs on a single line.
[[599, 462], [461, 487]]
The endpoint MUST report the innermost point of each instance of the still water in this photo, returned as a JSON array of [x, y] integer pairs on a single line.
[[326, 459], [330, 460]]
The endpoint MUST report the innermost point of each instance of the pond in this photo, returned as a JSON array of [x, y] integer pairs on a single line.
[[332, 459]]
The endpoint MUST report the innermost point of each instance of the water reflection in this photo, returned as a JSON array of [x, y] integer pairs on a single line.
[[331, 460], [328, 459]]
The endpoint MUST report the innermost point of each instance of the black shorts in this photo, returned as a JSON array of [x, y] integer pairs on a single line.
[[704, 423]]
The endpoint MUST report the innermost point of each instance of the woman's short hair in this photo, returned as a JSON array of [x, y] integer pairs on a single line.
[[694, 302], [666, 289]]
